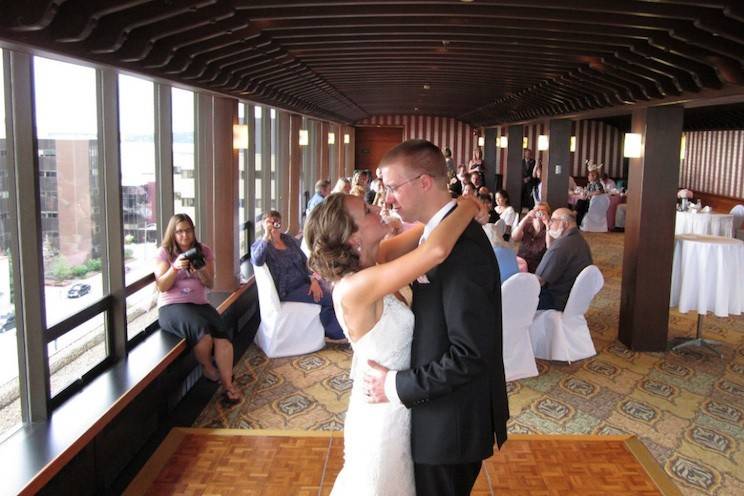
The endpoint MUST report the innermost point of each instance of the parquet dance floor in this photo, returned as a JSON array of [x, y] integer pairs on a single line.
[[267, 462]]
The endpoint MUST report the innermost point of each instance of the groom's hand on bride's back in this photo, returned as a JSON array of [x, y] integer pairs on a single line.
[[374, 383]]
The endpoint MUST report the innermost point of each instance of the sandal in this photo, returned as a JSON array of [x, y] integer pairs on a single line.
[[231, 397]]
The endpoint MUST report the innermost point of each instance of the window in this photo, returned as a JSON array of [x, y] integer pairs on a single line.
[[10, 411], [241, 187], [138, 186], [72, 245], [65, 96], [184, 184], [258, 191], [75, 352], [274, 146]]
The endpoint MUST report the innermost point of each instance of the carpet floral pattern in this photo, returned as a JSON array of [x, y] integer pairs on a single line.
[[687, 407]]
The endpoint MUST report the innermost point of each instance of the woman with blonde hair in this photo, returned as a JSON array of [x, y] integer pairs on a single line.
[[184, 270], [532, 231]]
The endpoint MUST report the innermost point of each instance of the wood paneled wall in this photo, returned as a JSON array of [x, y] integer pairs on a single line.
[[442, 131], [714, 163]]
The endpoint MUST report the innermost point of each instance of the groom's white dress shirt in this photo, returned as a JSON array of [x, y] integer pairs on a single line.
[[390, 390]]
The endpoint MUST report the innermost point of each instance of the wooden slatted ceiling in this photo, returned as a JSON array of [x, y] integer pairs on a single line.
[[485, 62]]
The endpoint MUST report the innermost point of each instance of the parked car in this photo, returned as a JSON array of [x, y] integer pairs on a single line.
[[7, 322], [78, 289]]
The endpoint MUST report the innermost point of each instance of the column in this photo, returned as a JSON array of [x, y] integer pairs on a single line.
[[513, 169], [649, 229], [489, 157], [555, 172]]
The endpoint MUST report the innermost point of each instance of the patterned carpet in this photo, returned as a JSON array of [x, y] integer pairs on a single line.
[[687, 407]]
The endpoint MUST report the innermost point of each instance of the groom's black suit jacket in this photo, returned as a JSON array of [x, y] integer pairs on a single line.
[[455, 387]]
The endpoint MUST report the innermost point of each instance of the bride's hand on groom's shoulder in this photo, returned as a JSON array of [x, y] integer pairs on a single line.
[[374, 383]]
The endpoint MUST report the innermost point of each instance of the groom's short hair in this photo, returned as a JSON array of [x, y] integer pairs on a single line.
[[420, 155]]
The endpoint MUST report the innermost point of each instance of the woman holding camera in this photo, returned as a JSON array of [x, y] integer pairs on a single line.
[[532, 231], [293, 280], [184, 269]]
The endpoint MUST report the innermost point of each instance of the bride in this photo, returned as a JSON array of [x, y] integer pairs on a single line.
[[345, 236]]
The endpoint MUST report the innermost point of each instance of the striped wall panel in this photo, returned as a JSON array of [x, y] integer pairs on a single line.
[[442, 131], [714, 162], [595, 141]]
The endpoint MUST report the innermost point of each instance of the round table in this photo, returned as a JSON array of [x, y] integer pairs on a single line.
[[707, 277], [704, 223]]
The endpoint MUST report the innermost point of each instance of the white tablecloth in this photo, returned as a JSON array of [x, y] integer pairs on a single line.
[[708, 275], [700, 223]]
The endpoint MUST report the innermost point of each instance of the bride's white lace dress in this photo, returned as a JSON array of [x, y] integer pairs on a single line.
[[377, 437]]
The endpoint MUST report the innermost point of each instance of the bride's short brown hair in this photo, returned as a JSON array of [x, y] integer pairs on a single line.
[[327, 233]]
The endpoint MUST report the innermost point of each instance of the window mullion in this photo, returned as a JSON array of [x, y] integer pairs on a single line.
[[30, 304], [113, 224]]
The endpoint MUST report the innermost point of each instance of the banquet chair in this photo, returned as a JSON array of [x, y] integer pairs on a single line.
[[595, 219], [620, 214], [564, 336], [519, 296], [738, 213], [287, 328]]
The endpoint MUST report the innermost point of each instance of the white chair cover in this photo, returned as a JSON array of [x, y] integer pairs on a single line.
[[287, 328], [622, 209], [564, 336], [595, 219], [738, 213], [519, 295]]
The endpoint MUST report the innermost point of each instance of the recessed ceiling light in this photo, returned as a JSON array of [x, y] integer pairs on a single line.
[[415, 109], [467, 1], [427, 86]]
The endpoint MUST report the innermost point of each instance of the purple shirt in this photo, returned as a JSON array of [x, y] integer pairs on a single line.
[[187, 288]]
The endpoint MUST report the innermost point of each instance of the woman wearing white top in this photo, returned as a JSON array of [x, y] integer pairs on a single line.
[[503, 208]]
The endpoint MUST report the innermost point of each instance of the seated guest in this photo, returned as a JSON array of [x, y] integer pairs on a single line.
[[571, 185], [504, 209], [183, 308], [564, 260], [607, 183], [488, 202], [476, 179], [593, 187], [532, 231], [376, 188], [505, 255], [322, 188], [343, 185], [361, 178], [288, 266], [468, 189]]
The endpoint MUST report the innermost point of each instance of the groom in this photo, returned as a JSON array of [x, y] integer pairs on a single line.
[[455, 387]]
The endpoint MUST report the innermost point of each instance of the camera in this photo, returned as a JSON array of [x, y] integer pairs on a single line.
[[277, 225], [539, 214], [195, 257]]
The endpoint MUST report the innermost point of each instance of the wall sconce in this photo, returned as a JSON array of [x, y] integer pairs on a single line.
[[542, 142], [347, 139], [304, 140], [682, 150], [331, 138], [503, 142], [632, 146], [240, 136], [525, 142], [572, 145], [481, 141]]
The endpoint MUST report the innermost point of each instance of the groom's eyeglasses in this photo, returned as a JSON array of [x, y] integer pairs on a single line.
[[391, 189]]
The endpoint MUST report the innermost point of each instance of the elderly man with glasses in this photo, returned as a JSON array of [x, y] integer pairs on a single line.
[[566, 257]]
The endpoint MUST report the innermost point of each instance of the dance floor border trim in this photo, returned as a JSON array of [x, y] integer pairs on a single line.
[[144, 479]]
